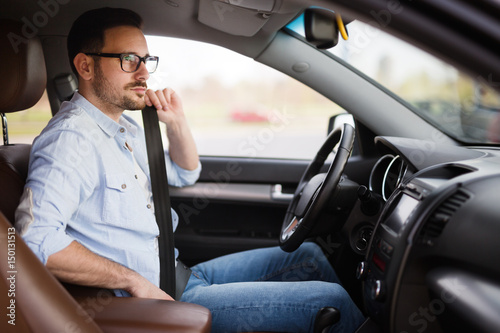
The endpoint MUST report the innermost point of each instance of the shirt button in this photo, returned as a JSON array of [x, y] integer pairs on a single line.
[[124, 186], [149, 206], [122, 130], [136, 177]]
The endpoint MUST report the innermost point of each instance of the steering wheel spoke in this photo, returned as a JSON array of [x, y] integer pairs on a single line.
[[290, 228], [315, 189]]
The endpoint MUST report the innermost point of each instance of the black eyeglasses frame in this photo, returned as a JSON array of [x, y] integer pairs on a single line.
[[122, 55]]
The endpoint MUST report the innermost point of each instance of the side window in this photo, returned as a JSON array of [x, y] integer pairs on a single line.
[[24, 126], [239, 107]]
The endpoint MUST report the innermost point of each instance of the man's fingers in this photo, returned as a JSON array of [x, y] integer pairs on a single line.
[[162, 99], [169, 92], [147, 100], [153, 99]]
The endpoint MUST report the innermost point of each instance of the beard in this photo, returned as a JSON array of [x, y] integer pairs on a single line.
[[110, 95]]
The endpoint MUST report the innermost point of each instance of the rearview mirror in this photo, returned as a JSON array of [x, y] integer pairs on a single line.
[[321, 28]]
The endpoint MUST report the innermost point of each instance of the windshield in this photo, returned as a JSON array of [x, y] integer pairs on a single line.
[[465, 108]]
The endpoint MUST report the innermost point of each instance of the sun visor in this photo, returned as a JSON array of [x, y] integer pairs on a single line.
[[236, 17]]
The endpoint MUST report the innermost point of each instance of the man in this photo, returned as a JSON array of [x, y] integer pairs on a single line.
[[87, 206]]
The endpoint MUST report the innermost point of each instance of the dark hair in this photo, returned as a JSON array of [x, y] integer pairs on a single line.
[[87, 32]]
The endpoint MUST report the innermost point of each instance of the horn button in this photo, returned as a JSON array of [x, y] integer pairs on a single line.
[[308, 194]]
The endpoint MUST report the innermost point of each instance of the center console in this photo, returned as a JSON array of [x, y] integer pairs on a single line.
[[381, 268], [410, 219]]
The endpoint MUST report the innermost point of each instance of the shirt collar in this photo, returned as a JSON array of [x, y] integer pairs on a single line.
[[108, 125]]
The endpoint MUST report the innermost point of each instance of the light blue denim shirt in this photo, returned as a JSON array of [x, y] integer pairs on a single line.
[[82, 186]]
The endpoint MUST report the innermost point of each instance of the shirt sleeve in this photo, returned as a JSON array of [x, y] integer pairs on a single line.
[[55, 186], [178, 176]]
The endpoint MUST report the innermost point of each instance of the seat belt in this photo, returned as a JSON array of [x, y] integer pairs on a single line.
[[161, 199]]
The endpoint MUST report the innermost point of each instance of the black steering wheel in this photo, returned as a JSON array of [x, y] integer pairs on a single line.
[[315, 189]]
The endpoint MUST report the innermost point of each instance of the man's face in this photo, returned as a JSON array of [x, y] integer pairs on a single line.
[[117, 89]]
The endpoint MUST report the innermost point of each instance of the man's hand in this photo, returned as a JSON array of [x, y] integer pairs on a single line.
[[182, 147], [141, 287], [168, 104]]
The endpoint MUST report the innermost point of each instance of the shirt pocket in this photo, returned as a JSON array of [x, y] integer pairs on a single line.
[[118, 199]]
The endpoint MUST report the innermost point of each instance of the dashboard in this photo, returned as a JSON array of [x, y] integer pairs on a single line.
[[432, 260]]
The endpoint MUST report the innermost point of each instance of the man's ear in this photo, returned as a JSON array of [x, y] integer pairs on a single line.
[[84, 65]]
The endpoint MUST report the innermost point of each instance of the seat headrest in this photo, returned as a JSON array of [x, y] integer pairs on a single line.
[[22, 68]]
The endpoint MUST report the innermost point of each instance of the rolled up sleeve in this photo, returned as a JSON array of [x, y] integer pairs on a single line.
[[55, 186], [178, 176]]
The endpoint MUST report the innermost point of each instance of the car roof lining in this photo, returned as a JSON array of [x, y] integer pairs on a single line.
[[170, 18], [412, 22]]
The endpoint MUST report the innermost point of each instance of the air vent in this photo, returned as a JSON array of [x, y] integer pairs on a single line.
[[435, 224]]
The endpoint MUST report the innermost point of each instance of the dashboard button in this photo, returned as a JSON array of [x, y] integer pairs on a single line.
[[378, 290], [362, 270], [386, 248]]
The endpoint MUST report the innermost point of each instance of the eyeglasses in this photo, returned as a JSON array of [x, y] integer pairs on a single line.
[[129, 62]]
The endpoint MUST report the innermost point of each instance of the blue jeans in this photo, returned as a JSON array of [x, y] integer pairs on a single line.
[[259, 290]]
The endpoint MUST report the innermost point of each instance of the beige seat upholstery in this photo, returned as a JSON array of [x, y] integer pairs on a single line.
[[41, 303]]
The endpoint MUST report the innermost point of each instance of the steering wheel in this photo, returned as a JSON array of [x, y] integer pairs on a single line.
[[315, 189]]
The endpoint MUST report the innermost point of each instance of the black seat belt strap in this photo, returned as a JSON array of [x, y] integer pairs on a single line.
[[161, 199]]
